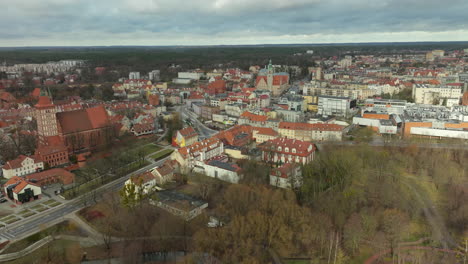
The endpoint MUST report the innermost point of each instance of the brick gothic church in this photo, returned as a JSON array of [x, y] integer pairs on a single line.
[[65, 133]]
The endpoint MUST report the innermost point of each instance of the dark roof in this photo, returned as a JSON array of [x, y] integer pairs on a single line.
[[224, 165]]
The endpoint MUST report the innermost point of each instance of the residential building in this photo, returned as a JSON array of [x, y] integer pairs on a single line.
[[21, 191], [287, 176], [237, 136], [154, 75], [262, 134], [311, 132], [22, 165], [285, 150], [185, 137], [208, 111], [134, 75], [199, 151], [425, 94]]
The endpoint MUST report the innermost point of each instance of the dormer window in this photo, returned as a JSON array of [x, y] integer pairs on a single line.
[[293, 150], [280, 149], [286, 149]]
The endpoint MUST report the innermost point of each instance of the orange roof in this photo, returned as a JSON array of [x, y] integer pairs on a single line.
[[254, 117], [20, 183], [301, 147], [188, 132], [205, 145], [44, 102], [229, 135], [36, 92], [265, 131]]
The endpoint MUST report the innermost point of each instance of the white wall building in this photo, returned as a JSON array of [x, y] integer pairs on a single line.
[[334, 106], [134, 75], [219, 170], [21, 166]]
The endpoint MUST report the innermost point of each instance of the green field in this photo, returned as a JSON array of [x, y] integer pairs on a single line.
[[148, 149], [162, 154]]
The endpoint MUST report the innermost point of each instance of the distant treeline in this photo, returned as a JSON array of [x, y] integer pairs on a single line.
[[146, 58]]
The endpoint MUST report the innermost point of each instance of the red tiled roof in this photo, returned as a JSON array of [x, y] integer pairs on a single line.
[[16, 163], [277, 79], [83, 120], [66, 176], [301, 147], [254, 117], [200, 146], [265, 131], [21, 183], [44, 102], [143, 178], [188, 132], [36, 92]]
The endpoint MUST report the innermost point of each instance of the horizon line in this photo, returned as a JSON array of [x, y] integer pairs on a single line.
[[236, 45]]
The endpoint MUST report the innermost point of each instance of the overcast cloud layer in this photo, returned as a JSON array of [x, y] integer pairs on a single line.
[[212, 22]]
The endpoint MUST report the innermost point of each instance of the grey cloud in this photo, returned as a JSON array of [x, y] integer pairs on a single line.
[[205, 19]]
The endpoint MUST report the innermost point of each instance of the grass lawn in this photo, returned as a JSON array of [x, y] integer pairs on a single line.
[[26, 213], [162, 154], [6, 218], [39, 208], [59, 250], [97, 182], [48, 202], [11, 220], [55, 204], [150, 148]]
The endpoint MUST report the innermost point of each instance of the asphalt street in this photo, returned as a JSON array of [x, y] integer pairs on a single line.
[[36, 223]]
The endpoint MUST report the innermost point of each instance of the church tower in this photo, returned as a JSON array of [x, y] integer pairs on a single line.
[[46, 118], [270, 76]]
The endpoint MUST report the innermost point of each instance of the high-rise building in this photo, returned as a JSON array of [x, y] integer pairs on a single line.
[[154, 75], [134, 75]]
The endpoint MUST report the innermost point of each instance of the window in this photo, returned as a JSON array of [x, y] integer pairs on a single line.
[[280, 149], [293, 150], [286, 149]]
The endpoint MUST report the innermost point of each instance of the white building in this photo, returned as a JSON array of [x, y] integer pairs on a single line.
[[195, 75], [224, 171], [334, 106], [154, 75], [134, 75], [21, 191], [424, 94], [21, 166]]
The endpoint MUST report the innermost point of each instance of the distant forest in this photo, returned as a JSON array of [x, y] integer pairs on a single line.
[[145, 59]]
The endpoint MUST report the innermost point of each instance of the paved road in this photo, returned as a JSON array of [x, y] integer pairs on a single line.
[[34, 224], [203, 130]]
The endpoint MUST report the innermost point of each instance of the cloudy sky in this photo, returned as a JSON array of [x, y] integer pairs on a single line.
[[212, 22]]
